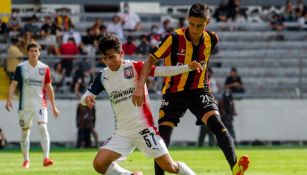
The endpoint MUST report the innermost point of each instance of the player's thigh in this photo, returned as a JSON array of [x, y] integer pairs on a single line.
[[119, 144], [150, 143], [172, 109], [41, 115], [25, 119], [202, 104], [106, 156]]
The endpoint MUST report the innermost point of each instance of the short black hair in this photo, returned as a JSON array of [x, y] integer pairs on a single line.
[[109, 41], [200, 10], [33, 45]]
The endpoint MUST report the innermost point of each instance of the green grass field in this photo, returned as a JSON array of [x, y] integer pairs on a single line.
[[264, 161]]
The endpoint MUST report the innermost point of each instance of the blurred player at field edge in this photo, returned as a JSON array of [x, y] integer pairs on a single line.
[[32, 77]]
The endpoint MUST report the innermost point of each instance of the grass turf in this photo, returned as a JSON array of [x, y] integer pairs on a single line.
[[264, 161]]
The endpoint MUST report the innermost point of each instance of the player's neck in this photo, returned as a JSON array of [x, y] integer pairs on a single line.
[[33, 62]]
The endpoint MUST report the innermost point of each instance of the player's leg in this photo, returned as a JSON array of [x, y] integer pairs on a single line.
[[174, 167], [225, 142], [172, 108], [114, 148], [42, 119], [25, 122]]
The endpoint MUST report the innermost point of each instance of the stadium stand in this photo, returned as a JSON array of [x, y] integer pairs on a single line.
[[271, 63]]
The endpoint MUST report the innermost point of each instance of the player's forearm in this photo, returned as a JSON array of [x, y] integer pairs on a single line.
[[165, 71], [12, 89], [50, 94], [146, 68]]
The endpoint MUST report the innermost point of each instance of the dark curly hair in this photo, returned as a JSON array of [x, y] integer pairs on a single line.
[[200, 10], [109, 41]]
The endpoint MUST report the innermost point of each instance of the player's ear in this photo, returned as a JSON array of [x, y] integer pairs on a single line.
[[121, 53]]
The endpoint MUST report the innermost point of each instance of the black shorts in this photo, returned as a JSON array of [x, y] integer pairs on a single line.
[[174, 105]]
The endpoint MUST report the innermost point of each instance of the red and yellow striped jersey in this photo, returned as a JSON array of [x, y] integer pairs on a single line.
[[177, 49]]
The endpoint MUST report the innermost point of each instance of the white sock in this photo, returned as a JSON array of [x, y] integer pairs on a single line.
[[45, 140], [115, 169], [185, 170], [25, 143]]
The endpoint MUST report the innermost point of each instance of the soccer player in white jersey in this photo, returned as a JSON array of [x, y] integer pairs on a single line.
[[134, 125], [32, 77]]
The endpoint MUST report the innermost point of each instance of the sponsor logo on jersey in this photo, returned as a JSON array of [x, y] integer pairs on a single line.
[[128, 72], [33, 82], [120, 96], [181, 53], [41, 71]]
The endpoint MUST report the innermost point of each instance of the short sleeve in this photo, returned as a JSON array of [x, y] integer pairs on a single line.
[[47, 76], [96, 86]]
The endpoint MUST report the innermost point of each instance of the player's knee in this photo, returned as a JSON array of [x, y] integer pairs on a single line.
[[100, 166], [170, 167]]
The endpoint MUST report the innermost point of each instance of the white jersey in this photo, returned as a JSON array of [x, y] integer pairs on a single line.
[[31, 84], [120, 86]]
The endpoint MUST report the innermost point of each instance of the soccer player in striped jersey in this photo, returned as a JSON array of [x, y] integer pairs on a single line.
[[193, 43], [32, 77], [134, 124]]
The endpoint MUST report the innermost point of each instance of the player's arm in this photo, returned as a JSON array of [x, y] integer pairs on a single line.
[[12, 88], [50, 93], [88, 98], [165, 71], [138, 95]]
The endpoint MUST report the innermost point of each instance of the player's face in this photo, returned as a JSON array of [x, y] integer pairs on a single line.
[[196, 26], [113, 59], [33, 53]]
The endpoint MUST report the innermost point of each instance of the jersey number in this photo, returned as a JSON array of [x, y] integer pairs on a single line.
[[149, 141]]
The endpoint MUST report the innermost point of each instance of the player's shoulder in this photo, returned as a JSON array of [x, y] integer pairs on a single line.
[[42, 65]]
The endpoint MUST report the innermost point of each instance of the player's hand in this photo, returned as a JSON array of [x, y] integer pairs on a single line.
[[89, 101], [195, 66], [138, 96], [55, 112], [9, 105]]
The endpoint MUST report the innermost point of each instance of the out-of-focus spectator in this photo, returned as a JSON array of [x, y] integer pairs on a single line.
[[181, 22], [72, 33], [89, 37], [130, 20], [69, 48], [254, 17], [14, 23], [58, 76], [233, 8], [14, 57], [85, 118], [288, 15], [144, 47], [116, 27], [220, 14], [154, 37], [63, 21], [129, 47], [3, 141], [276, 22], [3, 28], [301, 6], [233, 82], [227, 111], [165, 27], [98, 26], [83, 80], [214, 85], [26, 38], [303, 21], [30, 26], [49, 25]]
